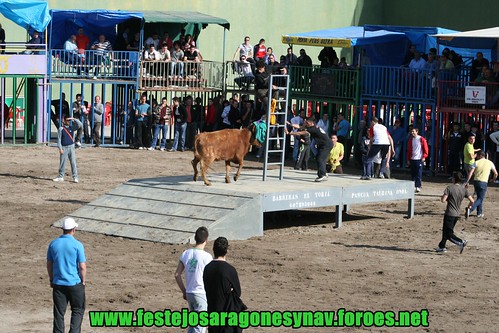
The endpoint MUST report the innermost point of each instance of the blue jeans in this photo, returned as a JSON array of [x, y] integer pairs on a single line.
[[68, 151], [417, 172], [197, 302], [180, 129], [371, 154], [75, 296], [157, 129], [180, 66], [480, 191]]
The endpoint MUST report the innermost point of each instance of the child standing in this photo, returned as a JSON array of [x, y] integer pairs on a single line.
[[364, 149], [66, 145], [304, 152]]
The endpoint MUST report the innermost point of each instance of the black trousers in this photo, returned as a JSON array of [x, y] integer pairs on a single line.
[[303, 157], [75, 296], [448, 231], [321, 158]]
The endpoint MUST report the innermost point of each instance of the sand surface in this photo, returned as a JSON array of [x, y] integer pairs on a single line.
[[379, 260]]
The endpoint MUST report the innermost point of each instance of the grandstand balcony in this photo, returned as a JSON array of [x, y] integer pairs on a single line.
[[398, 83], [468, 97], [181, 76], [114, 65]]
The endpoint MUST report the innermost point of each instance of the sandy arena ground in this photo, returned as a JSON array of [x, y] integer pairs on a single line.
[[379, 260]]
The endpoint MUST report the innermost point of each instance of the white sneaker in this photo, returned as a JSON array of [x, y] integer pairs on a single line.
[[162, 149], [440, 250], [480, 215], [78, 144], [150, 148], [141, 148], [58, 179], [418, 190], [75, 180], [321, 179]]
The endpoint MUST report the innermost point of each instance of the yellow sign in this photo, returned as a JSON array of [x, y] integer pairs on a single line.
[[4, 64], [314, 41]]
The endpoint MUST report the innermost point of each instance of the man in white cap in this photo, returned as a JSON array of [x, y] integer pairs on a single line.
[[67, 269]]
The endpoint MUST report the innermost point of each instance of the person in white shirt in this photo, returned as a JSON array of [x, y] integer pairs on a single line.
[[245, 49], [193, 262], [417, 152], [380, 141]]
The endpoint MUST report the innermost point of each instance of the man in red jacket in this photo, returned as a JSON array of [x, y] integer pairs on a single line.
[[417, 152]]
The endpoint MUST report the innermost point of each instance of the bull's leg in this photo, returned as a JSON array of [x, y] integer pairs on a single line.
[[236, 177], [204, 166], [194, 163], [227, 171]]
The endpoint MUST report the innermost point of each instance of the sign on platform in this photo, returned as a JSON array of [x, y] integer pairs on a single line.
[[475, 95], [314, 41], [23, 64]]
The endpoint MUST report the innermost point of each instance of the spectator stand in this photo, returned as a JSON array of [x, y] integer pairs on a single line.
[[387, 88], [461, 100], [111, 74], [22, 87], [197, 76]]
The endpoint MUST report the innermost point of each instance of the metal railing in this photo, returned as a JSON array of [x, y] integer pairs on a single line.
[[452, 94], [185, 75], [398, 83], [239, 75], [115, 65]]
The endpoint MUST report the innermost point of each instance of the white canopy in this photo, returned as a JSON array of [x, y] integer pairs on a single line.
[[481, 33]]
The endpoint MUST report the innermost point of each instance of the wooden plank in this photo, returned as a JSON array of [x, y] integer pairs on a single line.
[[146, 219], [174, 196], [134, 232], [134, 205]]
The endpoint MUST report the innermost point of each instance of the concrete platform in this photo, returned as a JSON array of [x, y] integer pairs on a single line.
[[170, 209]]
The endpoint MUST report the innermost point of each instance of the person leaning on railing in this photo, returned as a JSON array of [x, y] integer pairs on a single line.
[[33, 44], [102, 49]]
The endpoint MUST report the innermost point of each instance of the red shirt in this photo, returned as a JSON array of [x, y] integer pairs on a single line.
[[82, 41], [261, 52], [211, 114]]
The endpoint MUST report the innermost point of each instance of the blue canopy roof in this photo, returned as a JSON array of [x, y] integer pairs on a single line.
[[382, 47], [342, 37], [419, 36], [94, 22], [28, 14]]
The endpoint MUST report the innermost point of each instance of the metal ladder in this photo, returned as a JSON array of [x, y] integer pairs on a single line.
[[278, 109]]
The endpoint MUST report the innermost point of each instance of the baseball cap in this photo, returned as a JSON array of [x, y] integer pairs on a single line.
[[69, 223]]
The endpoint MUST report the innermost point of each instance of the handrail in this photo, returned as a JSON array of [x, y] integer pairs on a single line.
[[121, 65]]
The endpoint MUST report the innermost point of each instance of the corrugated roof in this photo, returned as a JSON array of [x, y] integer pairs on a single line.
[[183, 17]]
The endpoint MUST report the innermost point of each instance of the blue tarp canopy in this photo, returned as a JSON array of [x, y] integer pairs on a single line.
[[342, 37], [28, 14], [382, 47], [94, 22], [421, 37]]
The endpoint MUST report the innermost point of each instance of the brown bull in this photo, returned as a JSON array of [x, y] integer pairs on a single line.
[[229, 145]]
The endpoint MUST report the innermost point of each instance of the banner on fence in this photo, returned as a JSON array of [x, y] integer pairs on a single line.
[[475, 95], [23, 64]]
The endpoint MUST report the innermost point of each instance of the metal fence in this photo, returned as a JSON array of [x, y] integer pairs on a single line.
[[115, 65], [182, 75]]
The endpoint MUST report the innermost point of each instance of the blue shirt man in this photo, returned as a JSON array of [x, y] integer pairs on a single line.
[[66, 267], [343, 126]]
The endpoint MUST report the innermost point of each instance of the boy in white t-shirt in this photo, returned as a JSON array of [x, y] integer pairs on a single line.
[[193, 262]]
